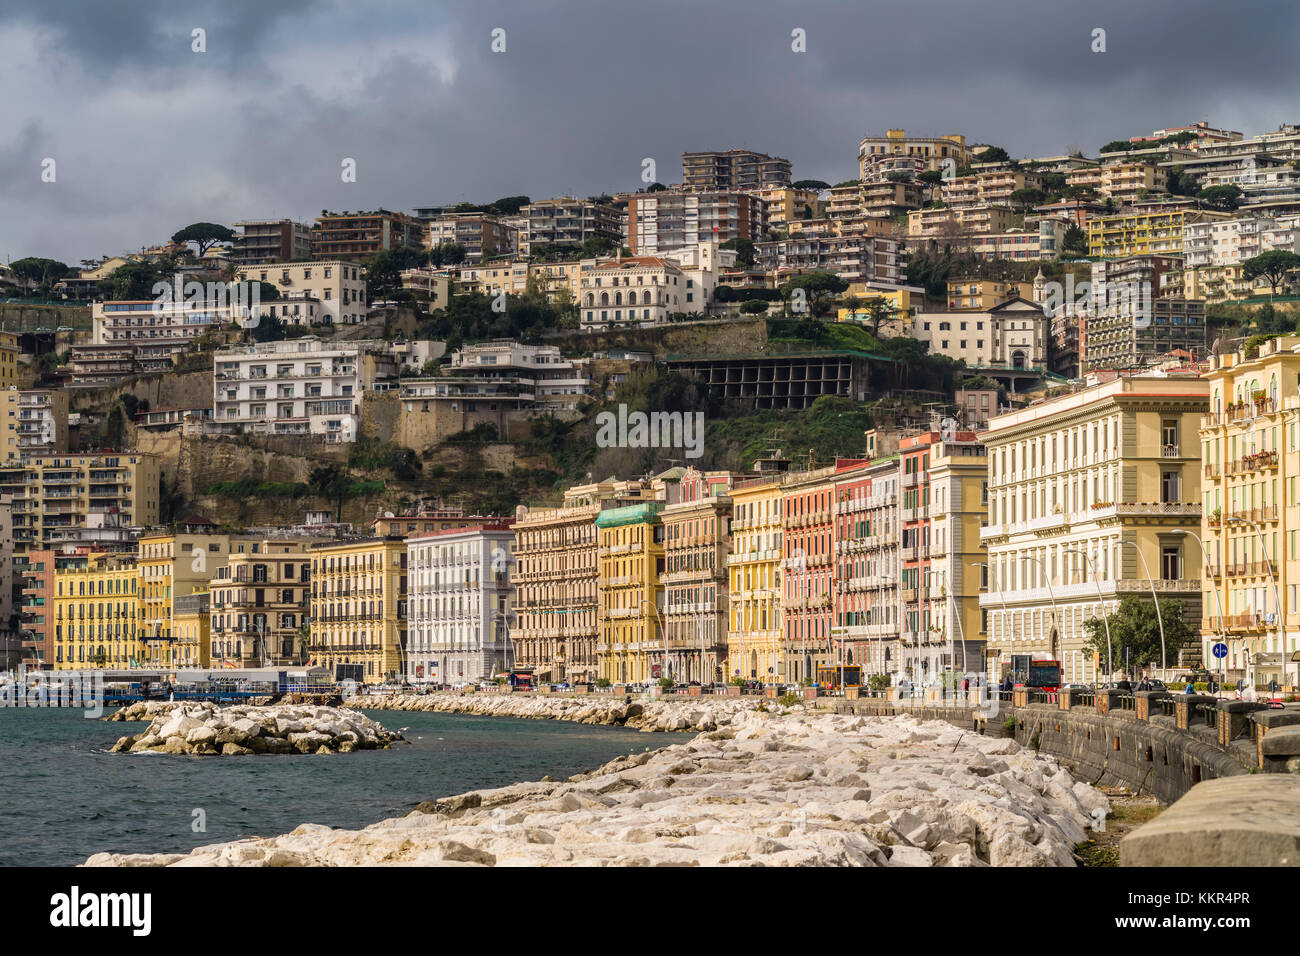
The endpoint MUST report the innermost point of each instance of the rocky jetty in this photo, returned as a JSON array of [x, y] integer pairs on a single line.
[[690, 714], [766, 790], [204, 729]]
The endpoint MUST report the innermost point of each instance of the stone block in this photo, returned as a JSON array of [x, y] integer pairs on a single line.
[[1249, 820], [1187, 709], [1146, 703]]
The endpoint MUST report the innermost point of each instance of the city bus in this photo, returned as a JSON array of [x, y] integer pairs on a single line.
[[839, 676], [1041, 673]]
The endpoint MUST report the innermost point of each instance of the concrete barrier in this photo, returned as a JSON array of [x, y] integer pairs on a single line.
[[1235, 821]]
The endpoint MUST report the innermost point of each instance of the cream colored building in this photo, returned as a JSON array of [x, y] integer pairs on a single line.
[[1250, 450], [339, 287], [1079, 486], [958, 504], [934, 150], [556, 580], [640, 291]]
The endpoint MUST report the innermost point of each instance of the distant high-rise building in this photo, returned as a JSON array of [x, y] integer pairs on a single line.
[[271, 240], [733, 169]]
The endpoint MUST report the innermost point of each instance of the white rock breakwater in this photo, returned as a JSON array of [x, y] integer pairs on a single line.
[[768, 790], [204, 729], [655, 714]]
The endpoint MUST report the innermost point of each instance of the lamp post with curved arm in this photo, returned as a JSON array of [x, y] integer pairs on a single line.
[[1056, 610], [1110, 650], [1277, 598], [1223, 634], [1155, 600], [1006, 614]]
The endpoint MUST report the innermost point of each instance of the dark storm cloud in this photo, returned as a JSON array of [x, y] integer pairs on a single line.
[[149, 136]]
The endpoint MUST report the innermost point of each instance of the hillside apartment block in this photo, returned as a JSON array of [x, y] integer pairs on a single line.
[[323, 291], [296, 387]]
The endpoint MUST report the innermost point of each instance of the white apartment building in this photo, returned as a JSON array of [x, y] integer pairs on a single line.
[[554, 382], [641, 291], [42, 421], [296, 387], [460, 608], [168, 322], [1228, 242], [339, 287]]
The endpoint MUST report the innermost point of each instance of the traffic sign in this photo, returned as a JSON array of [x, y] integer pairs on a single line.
[[1220, 650]]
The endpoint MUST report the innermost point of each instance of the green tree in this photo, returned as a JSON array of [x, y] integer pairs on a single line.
[[744, 251], [1023, 199], [1272, 265], [331, 483], [384, 270], [204, 235], [509, 205], [993, 154], [1134, 625], [811, 184], [136, 280], [931, 177], [1075, 241], [38, 273], [754, 307], [1220, 197], [817, 288], [446, 254]]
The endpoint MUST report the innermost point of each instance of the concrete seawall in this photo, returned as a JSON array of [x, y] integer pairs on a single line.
[[1150, 756]]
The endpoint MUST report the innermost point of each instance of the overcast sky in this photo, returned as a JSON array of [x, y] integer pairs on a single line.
[[148, 136]]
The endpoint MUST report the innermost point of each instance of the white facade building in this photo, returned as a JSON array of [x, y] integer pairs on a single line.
[[460, 609], [296, 387], [1013, 335]]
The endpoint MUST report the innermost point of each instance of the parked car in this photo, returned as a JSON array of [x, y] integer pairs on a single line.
[[1075, 687]]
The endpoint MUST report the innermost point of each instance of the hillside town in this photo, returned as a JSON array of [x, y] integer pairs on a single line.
[[955, 412]]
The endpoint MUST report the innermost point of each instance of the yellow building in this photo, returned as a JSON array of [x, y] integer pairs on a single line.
[[1149, 231], [900, 302], [1089, 498], [97, 613], [630, 548], [80, 499], [173, 565], [980, 295], [783, 205], [556, 569], [8, 360], [938, 152], [1250, 449], [358, 608], [191, 625], [259, 604], [754, 635], [959, 480]]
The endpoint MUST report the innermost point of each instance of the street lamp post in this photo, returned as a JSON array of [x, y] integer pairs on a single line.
[[1006, 614], [1277, 598], [1155, 600], [1056, 610], [1110, 652], [1223, 634]]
